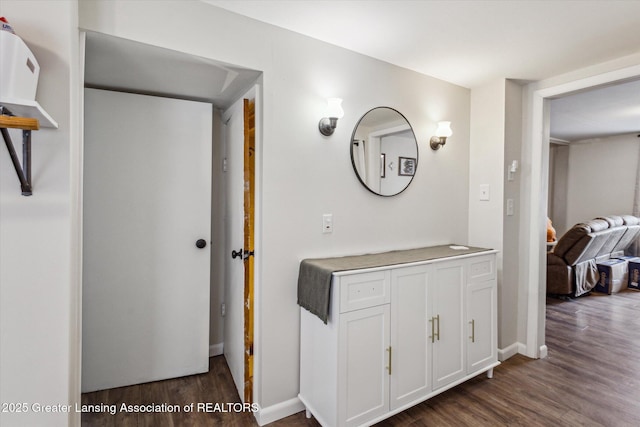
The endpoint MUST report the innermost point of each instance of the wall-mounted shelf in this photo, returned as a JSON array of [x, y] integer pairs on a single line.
[[27, 108], [26, 116]]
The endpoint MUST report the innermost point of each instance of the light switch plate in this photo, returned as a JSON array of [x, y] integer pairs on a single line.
[[484, 192], [510, 207], [327, 223]]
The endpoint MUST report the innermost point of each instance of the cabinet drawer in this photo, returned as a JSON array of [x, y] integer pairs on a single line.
[[481, 268], [364, 290]]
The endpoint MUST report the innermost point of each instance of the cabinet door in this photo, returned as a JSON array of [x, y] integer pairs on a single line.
[[447, 322], [482, 324], [410, 375], [363, 376]]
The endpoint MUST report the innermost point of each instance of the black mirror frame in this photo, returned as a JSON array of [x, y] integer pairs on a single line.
[[353, 163]]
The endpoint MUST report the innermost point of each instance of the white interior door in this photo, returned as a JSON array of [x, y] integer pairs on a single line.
[[147, 200], [234, 267]]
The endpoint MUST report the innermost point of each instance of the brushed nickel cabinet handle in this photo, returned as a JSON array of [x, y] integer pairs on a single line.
[[473, 330]]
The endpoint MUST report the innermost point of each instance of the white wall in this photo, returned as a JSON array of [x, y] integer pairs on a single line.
[[496, 141], [304, 174], [487, 164], [39, 290], [508, 296], [601, 177], [486, 168], [218, 252]]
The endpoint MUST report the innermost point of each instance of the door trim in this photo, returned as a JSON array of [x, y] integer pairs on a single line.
[[535, 186], [249, 111]]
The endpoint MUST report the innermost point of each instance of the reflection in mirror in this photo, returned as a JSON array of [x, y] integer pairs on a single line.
[[384, 151]]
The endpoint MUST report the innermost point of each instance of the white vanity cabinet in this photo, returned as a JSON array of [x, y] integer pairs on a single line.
[[397, 335]]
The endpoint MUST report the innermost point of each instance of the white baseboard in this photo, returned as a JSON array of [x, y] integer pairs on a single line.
[[278, 411], [216, 349], [510, 351], [522, 348], [544, 351], [519, 348]]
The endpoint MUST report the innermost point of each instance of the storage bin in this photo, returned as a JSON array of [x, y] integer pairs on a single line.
[[613, 276], [19, 69], [634, 273]]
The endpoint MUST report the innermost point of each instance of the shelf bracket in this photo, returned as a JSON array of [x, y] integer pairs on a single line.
[[26, 125]]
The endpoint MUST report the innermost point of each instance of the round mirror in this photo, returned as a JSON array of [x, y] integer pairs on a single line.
[[384, 151]]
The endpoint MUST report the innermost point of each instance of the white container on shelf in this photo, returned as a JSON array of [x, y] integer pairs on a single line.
[[19, 69]]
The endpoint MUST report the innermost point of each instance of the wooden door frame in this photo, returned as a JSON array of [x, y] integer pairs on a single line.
[[247, 381], [249, 243]]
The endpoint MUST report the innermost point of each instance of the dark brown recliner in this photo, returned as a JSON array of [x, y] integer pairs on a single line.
[[571, 265]]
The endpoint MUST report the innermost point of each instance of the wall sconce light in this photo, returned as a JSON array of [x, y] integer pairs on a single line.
[[334, 112], [442, 133]]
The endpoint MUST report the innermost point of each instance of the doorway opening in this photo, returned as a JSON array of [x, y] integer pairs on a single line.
[[119, 65], [240, 218], [593, 130], [533, 228]]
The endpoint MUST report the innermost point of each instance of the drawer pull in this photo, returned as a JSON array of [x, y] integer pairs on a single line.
[[473, 330]]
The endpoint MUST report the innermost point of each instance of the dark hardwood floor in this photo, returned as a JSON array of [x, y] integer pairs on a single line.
[[590, 378]]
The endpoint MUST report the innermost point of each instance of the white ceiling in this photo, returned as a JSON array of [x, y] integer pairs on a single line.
[[597, 113], [470, 43], [118, 64]]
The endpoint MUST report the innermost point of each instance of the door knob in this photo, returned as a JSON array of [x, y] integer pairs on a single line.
[[201, 243]]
